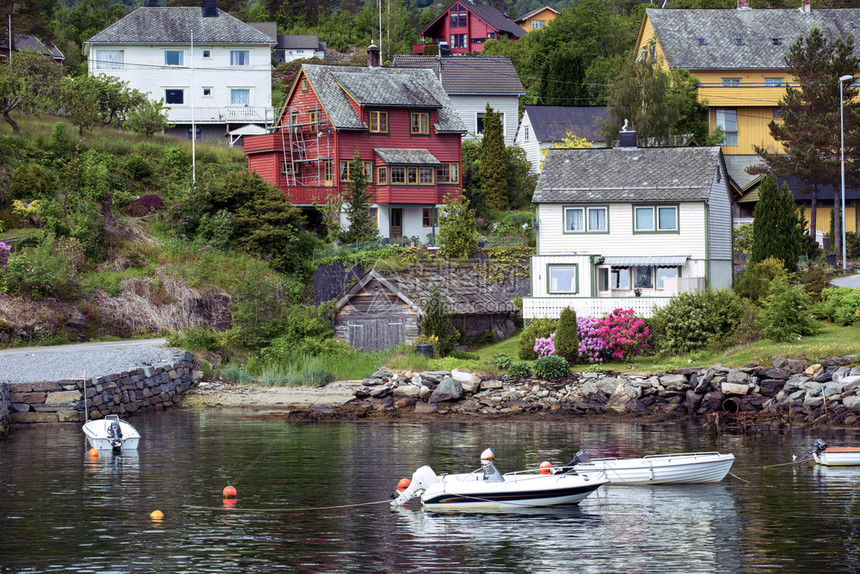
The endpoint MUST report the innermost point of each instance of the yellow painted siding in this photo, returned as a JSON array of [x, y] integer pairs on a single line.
[[546, 15], [752, 90], [752, 130], [822, 223], [646, 35]]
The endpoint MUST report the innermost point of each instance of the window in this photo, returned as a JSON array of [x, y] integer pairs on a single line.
[[294, 118], [620, 278], [731, 82], [603, 279], [458, 41], [419, 123], [447, 173], [379, 122], [479, 122], [411, 175], [527, 133], [240, 96], [727, 119], [313, 118], [776, 41], [344, 170], [458, 16], [425, 175], [240, 58], [643, 277], [398, 175], [739, 42], [777, 114], [368, 171], [538, 24], [110, 59], [664, 272], [327, 172], [582, 219], [207, 92], [666, 218], [381, 175], [304, 85], [174, 96], [373, 213], [346, 166], [491, 35], [197, 133], [702, 41], [428, 217], [207, 54], [173, 57], [773, 82], [287, 168], [562, 279]]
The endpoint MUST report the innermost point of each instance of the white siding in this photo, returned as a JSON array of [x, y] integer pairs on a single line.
[[527, 141], [144, 69], [468, 107], [539, 270], [413, 221], [721, 274]]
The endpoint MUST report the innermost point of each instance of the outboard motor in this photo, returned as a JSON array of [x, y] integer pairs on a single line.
[[817, 446], [114, 434], [579, 458], [421, 479]]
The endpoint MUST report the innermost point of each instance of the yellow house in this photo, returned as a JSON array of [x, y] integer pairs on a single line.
[[738, 56], [536, 19]]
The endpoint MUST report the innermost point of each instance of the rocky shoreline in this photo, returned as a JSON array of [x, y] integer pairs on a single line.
[[820, 393]]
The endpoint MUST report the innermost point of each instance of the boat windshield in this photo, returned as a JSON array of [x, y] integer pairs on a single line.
[[492, 474]]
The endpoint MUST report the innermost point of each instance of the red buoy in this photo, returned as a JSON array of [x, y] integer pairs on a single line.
[[403, 484], [546, 467], [93, 452], [229, 492]]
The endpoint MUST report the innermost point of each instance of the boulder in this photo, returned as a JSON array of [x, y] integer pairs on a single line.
[[813, 370], [774, 373], [852, 403], [625, 399], [589, 389], [692, 402], [735, 388], [468, 381], [406, 391], [422, 408], [424, 393], [449, 389], [770, 387], [737, 376], [491, 385], [608, 385], [674, 382]]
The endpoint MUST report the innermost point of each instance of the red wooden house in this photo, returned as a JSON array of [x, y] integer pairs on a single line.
[[465, 26], [401, 122]]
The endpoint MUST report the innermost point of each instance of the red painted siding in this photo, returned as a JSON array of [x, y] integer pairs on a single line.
[[476, 29]]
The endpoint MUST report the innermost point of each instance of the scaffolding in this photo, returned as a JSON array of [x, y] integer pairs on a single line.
[[306, 142]]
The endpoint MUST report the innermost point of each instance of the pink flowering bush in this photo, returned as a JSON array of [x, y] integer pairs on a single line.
[[545, 345], [592, 347], [625, 333], [4, 253]]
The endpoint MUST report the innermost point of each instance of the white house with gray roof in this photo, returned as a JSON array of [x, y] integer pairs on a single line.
[[222, 86], [628, 227]]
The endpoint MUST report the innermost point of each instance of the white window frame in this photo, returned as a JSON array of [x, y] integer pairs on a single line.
[[479, 123], [181, 58], [585, 212], [180, 90], [728, 118], [210, 94], [234, 90], [207, 54], [660, 277], [573, 284], [615, 278], [107, 60], [242, 62], [656, 225]]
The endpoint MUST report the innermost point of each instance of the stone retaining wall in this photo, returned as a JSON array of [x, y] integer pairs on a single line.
[[5, 410], [121, 393]]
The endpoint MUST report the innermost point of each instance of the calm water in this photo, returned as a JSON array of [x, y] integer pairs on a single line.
[[60, 512]]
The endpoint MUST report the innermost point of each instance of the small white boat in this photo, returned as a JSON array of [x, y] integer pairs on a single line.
[[833, 456], [111, 433], [487, 490], [678, 468]]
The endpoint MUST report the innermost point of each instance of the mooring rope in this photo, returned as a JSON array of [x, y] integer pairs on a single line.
[[283, 509]]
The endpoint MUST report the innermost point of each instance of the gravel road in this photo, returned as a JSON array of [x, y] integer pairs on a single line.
[[32, 364]]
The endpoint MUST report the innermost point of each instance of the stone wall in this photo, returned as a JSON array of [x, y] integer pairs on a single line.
[[5, 410], [121, 393]]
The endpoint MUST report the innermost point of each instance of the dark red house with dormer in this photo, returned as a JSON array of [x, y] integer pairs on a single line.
[[465, 26], [401, 122]]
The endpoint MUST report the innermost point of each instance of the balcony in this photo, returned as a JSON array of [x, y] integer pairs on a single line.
[[402, 194], [222, 115]]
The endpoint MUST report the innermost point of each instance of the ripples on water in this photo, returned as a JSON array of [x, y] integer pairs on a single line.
[[60, 512]]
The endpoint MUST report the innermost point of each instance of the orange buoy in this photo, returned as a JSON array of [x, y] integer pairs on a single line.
[[403, 484], [156, 515], [229, 492], [229, 502], [93, 452], [546, 467]]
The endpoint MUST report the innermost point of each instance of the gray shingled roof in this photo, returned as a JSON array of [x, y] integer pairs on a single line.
[[397, 156], [299, 42], [382, 87], [627, 174], [679, 31], [163, 25], [468, 75], [551, 123], [486, 13], [528, 15], [736, 166]]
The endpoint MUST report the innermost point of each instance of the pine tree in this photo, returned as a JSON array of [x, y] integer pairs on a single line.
[[776, 228], [437, 321], [567, 336], [361, 226], [494, 165]]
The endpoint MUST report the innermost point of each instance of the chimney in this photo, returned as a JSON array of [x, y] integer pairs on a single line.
[[444, 50], [210, 10], [626, 138], [373, 56], [805, 6], [152, 3], [743, 4]]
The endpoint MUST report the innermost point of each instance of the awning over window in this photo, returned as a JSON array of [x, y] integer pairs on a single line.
[[656, 261]]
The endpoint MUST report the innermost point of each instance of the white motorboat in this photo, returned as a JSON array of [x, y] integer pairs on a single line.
[[678, 468], [832, 456], [111, 433], [486, 489]]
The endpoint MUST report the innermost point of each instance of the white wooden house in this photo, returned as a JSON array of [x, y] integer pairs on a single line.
[[472, 83], [541, 127], [223, 85], [629, 227]]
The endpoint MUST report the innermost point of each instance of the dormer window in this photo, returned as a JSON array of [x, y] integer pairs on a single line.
[[739, 42], [702, 41], [776, 41]]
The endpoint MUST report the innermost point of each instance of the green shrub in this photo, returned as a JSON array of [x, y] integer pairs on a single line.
[[199, 338], [567, 336], [840, 305], [815, 282], [784, 315], [503, 361], [273, 377], [692, 319], [536, 328], [756, 279], [746, 332], [46, 270], [520, 370], [437, 321], [311, 372], [231, 372], [464, 355], [551, 367]]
